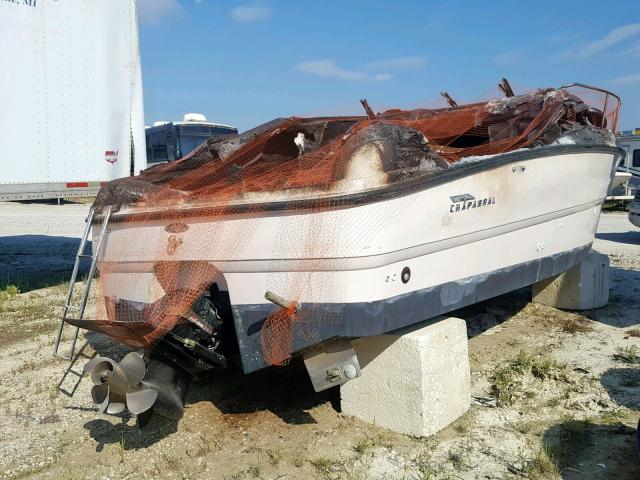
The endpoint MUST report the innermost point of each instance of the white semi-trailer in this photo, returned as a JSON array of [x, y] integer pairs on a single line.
[[71, 111]]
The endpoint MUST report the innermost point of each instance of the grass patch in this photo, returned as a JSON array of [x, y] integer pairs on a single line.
[[363, 445], [611, 417], [545, 367], [37, 309], [254, 470], [26, 367], [463, 424], [634, 332], [426, 469], [575, 325], [554, 402], [629, 354], [506, 377], [366, 443], [327, 466], [274, 456], [8, 291], [456, 459], [204, 443], [459, 456], [541, 467], [530, 427]]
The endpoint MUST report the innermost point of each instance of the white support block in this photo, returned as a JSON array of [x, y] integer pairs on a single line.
[[582, 287], [414, 381]]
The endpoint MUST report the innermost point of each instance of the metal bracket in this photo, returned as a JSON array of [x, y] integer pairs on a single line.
[[333, 363]]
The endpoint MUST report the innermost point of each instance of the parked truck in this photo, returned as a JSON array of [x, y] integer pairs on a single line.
[[71, 110]]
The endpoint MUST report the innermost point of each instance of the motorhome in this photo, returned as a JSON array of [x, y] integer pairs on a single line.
[[169, 141], [634, 209], [629, 168], [629, 141]]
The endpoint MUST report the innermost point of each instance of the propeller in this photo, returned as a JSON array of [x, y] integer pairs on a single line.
[[119, 386]]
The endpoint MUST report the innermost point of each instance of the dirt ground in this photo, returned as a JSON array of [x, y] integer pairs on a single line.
[[556, 394]]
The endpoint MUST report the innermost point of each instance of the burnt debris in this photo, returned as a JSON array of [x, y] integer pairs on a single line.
[[308, 154]]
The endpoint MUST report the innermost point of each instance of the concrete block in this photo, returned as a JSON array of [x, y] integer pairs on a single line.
[[414, 381], [582, 287]]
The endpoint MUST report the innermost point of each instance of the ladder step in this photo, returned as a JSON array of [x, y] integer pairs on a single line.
[[97, 243]]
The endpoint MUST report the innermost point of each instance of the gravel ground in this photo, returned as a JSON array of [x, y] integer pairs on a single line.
[[618, 238], [38, 242], [557, 394], [31, 218]]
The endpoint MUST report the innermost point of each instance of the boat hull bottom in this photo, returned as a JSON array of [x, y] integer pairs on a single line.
[[323, 321]]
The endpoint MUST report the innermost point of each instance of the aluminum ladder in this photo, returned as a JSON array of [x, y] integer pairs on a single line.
[[68, 306]]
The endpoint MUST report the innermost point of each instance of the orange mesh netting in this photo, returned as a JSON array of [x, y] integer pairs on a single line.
[[307, 164]]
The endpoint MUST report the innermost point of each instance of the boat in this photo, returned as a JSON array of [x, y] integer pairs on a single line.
[[308, 231]]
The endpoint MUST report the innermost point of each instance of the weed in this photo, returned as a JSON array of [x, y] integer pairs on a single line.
[[455, 457], [541, 467], [51, 418], [612, 416], [26, 366], [122, 445], [254, 470], [544, 367], [203, 445], [575, 325], [529, 427], [459, 455], [172, 462], [463, 424], [238, 475], [555, 401], [156, 470], [54, 391], [505, 377], [425, 468], [298, 461], [366, 443], [274, 457], [628, 354], [8, 291], [362, 445], [326, 466]]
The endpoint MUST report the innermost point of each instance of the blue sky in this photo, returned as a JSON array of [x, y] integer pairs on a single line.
[[244, 63]]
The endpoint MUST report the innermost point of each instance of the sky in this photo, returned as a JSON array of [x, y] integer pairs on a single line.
[[244, 63]]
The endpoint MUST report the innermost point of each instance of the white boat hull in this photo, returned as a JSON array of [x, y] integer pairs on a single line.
[[364, 267]]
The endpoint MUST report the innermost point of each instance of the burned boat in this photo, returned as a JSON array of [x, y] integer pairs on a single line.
[[306, 231]]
